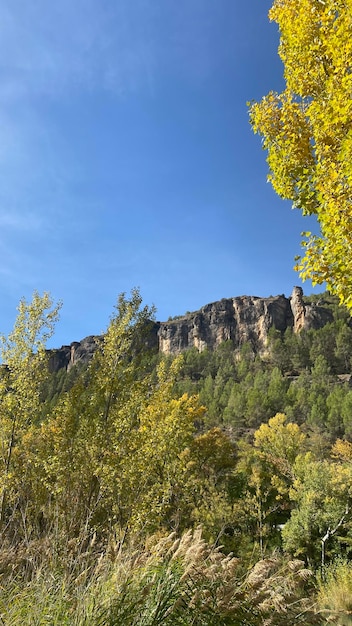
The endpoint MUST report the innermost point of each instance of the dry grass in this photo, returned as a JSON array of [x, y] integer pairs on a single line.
[[174, 581], [335, 593]]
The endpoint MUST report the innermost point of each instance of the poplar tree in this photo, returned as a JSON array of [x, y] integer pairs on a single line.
[[22, 373], [307, 131], [110, 457]]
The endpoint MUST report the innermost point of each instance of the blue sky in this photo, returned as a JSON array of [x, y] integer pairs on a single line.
[[127, 159]]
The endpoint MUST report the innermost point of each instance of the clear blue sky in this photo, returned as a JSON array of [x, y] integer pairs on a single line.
[[127, 159]]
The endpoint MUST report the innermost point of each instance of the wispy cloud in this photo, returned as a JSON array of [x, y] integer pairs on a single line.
[[49, 48], [51, 53], [12, 221]]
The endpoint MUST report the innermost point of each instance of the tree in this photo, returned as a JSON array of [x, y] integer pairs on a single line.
[[110, 455], [318, 393], [277, 389], [23, 371], [280, 441], [322, 494], [208, 464], [266, 471], [334, 403], [91, 424], [307, 131]]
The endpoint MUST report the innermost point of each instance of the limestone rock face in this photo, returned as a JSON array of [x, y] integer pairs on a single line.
[[76, 352], [316, 317], [244, 319], [59, 358], [298, 309], [241, 320], [307, 316], [82, 351]]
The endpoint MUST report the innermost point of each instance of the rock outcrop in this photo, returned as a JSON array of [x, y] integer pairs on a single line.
[[298, 309], [307, 316], [244, 319], [77, 352]]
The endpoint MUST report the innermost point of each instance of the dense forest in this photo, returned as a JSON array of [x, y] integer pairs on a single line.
[[210, 488]]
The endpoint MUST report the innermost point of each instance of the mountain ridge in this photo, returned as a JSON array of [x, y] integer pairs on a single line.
[[241, 319]]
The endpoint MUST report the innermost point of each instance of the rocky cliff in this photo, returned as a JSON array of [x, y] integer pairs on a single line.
[[243, 319]]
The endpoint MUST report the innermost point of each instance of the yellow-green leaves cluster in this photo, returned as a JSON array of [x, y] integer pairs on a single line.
[[21, 376], [267, 468], [307, 131], [110, 455], [321, 494], [279, 440]]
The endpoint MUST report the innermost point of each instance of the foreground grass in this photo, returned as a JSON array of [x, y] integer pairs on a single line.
[[171, 582]]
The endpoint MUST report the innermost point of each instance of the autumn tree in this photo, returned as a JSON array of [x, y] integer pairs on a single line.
[[307, 131], [208, 484], [321, 494], [267, 474], [110, 456], [23, 371], [94, 424]]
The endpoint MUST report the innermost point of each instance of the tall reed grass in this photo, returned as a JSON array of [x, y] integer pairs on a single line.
[[173, 581]]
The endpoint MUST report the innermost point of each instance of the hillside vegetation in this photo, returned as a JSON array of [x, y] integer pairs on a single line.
[[212, 488]]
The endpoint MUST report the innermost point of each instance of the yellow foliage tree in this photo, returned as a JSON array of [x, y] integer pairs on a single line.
[[209, 463], [322, 493], [23, 371], [110, 456], [307, 131], [267, 469], [342, 450], [279, 441], [152, 469]]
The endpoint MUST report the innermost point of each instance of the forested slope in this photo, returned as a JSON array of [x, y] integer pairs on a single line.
[[122, 478]]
